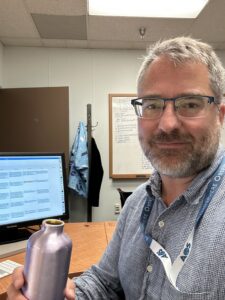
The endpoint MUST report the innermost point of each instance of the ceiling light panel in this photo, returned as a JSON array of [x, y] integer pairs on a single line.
[[147, 8]]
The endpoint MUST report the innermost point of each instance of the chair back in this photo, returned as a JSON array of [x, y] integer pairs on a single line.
[[123, 196]]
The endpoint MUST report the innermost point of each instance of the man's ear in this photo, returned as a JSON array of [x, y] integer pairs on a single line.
[[221, 113]]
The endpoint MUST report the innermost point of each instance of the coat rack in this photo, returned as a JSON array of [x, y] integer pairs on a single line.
[[89, 136]]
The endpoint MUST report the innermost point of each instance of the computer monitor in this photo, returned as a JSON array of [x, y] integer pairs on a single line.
[[32, 188]]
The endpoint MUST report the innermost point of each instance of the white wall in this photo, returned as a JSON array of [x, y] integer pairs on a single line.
[[91, 75], [1, 64]]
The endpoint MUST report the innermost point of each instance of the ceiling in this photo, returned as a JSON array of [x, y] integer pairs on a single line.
[[66, 23]]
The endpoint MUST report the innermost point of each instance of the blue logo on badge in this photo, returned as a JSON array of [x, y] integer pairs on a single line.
[[186, 251], [162, 253]]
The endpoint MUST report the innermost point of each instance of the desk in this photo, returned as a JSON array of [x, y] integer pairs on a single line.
[[89, 242]]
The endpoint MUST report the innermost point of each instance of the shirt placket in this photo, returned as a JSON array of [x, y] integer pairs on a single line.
[[152, 282]]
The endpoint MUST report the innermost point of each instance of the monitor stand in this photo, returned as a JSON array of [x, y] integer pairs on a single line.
[[13, 235]]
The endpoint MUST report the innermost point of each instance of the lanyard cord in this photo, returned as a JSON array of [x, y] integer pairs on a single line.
[[173, 270]]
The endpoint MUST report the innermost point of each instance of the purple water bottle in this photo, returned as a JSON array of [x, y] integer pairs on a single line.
[[47, 262]]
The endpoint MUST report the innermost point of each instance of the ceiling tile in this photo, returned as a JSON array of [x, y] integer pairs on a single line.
[[15, 21], [56, 7], [127, 29], [61, 27], [210, 25]]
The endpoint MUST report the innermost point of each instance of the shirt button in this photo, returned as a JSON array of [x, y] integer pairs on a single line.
[[161, 224], [149, 268]]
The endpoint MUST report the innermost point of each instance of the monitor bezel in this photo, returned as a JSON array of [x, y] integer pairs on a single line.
[[34, 222]]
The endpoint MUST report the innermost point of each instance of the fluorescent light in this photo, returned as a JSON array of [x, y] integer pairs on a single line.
[[147, 8]]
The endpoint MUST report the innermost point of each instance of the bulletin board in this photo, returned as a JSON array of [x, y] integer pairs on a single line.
[[126, 159]]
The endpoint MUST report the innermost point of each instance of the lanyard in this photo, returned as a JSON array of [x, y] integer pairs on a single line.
[[173, 269]]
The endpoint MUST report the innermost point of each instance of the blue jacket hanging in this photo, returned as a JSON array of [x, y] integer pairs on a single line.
[[78, 174]]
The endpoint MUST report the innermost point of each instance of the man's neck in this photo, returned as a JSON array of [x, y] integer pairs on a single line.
[[174, 187]]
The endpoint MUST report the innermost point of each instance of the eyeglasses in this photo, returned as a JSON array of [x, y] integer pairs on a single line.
[[187, 106]]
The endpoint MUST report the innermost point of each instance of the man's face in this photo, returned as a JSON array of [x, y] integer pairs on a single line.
[[178, 146]]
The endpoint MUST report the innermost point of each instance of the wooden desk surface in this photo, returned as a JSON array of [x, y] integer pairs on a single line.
[[89, 242]]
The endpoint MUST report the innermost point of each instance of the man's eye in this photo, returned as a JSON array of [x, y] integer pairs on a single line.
[[151, 106], [191, 105]]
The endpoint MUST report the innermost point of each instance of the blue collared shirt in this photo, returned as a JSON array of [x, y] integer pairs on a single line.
[[128, 268]]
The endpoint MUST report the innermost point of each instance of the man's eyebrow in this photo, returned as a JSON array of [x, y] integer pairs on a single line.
[[190, 94], [177, 96], [151, 96]]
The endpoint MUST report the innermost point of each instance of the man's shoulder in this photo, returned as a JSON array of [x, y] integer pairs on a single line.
[[137, 195]]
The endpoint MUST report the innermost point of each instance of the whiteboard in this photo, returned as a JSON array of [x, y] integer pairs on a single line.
[[126, 157]]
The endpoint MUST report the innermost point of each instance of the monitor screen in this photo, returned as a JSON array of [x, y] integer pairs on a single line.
[[32, 188]]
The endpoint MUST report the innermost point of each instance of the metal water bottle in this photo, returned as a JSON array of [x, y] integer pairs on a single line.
[[47, 262]]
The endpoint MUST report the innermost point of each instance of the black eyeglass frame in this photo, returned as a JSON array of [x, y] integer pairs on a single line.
[[134, 102]]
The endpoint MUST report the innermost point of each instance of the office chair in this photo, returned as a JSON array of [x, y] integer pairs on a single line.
[[123, 196]]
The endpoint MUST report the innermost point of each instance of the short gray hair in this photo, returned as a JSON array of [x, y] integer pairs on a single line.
[[183, 49]]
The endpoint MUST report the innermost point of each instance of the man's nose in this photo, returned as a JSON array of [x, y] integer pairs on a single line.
[[169, 119]]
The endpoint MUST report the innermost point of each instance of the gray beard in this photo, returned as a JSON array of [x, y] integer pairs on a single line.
[[186, 163]]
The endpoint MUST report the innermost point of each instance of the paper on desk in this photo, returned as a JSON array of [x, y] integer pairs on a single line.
[[7, 267]]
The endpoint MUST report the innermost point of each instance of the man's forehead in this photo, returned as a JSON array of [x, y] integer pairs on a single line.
[[163, 77], [166, 61], [163, 68]]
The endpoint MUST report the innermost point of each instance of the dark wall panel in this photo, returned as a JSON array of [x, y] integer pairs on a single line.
[[34, 119]]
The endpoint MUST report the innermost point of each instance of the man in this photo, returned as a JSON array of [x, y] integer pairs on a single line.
[[170, 238]]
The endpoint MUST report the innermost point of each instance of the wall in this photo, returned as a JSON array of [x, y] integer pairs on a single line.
[[91, 75], [1, 64]]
